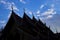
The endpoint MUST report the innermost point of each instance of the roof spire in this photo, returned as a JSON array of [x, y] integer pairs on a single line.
[[49, 27], [12, 7], [56, 30], [12, 11], [38, 18], [24, 15], [24, 10], [33, 16]]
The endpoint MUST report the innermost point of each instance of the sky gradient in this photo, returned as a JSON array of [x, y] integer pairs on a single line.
[[47, 10]]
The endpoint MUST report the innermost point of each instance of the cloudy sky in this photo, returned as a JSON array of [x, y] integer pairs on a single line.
[[47, 10]]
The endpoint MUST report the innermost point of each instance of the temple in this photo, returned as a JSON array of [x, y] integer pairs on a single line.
[[25, 28]]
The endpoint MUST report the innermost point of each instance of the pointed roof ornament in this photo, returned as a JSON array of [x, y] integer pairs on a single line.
[[38, 18], [12, 10], [44, 23], [40, 21], [49, 27], [56, 30], [25, 16], [33, 16], [24, 10], [12, 7]]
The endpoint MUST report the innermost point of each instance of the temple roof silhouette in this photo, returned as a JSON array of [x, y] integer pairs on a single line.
[[31, 28]]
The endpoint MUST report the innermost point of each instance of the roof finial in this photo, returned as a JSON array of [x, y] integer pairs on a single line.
[[49, 27], [12, 7], [24, 10], [38, 18], [56, 30], [32, 16]]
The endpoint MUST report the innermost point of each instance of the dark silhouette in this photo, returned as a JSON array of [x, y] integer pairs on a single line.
[[25, 28]]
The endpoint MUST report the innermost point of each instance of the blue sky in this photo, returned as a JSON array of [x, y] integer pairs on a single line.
[[47, 10]]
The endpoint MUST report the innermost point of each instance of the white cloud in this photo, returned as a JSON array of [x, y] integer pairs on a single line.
[[9, 15], [38, 15], [3, 2], [42, 6], [42, 18], [22, 1], [3, 25], [8, 5], [30, 12], [49, 16], [38, 12], [2, 21], [49, 12]]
